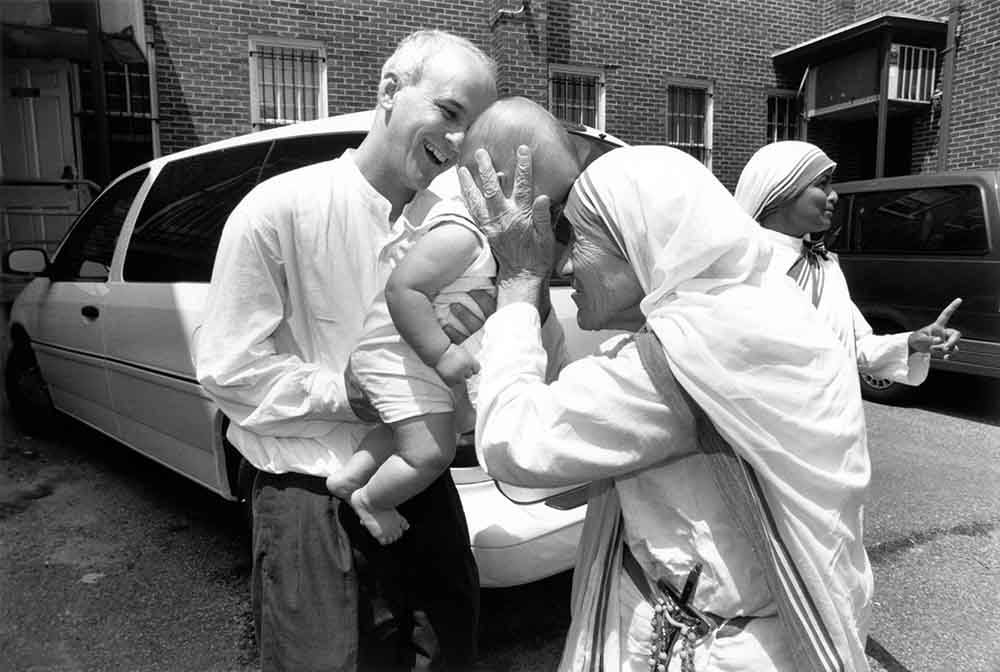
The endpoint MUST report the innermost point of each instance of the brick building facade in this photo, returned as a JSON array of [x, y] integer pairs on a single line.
[[718, 78], [638, 48]]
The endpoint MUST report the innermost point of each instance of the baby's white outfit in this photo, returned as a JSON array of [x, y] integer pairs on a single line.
[[394, 378]]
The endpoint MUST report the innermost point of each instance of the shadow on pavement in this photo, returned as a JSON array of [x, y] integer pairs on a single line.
[[960, 395]]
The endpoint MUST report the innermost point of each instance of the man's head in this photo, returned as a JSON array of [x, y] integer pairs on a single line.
[[511, 122], [432, 88]]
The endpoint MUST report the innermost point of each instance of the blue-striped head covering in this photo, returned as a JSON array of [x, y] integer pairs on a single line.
[[777, 173]]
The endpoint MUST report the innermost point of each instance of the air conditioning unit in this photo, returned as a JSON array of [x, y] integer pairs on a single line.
[[912, 73]]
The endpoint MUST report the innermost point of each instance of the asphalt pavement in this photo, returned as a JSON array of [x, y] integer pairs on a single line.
[[110, 562]]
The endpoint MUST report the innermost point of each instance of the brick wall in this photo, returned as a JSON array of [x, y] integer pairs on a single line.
[[975, 112], [640, 45], [202, 53]]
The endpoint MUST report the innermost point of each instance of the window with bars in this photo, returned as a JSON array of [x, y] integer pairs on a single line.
[[576, 95], [129, 116], [126, 89], [287, 82], [689, 119], [782, 117]]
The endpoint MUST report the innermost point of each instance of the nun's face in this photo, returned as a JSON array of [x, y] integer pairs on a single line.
[[812, 211], [606, 290]]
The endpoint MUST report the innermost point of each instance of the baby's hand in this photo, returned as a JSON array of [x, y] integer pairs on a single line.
[[456, 364]]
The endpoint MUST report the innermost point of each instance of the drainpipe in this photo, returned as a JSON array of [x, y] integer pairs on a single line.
[[883, 107], [947, 80], [154, 99], [96, 49]]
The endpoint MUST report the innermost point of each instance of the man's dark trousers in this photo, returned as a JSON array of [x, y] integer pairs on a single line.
[[423, 590]]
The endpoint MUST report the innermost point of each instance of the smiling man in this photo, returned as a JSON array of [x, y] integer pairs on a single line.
[[301, 260]]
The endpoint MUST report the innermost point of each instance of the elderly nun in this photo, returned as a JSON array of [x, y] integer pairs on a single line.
[[724, 435]]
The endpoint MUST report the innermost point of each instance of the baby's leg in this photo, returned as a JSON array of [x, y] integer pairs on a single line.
[[375, 448], [425, 447]]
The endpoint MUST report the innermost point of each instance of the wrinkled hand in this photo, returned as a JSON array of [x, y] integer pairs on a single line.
[[468, 320], [456, 364], [518, 227], [937, 337]]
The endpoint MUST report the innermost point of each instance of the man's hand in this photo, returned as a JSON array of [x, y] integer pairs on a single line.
[[468, 320], [518, 227], [937, 337], [456, 365]]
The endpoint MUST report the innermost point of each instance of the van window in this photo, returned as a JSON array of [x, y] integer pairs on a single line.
[[920, 221], [87, 252], [178, 229], [291, 153]]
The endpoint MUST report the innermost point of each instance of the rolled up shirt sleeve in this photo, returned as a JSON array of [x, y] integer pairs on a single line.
[[601, 418], [265, 391], [888, 356]]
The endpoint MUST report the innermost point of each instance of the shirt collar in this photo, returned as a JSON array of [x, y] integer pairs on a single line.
[[783, 240]]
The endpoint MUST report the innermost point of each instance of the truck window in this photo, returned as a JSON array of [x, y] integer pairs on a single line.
[[90, 245], [178, 229], [929, 220]]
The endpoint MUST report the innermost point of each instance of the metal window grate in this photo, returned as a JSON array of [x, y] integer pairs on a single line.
[[782, 118], [288, 84], [912, 72], [574, 97], [687, 115], [126, 90]]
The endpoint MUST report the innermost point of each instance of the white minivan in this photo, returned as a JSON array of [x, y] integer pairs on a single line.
[[103, 332]]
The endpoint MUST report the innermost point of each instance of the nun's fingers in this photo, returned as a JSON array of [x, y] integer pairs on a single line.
[[495, 201], [524, 185], [945, 316], [473, 198]]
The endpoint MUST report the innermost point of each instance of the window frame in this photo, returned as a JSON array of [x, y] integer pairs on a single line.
[[690, 83], [84, 226], [785, 95], [257, 42], [581, 71], [855, 241]]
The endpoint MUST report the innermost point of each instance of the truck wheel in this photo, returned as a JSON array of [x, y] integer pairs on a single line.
[[883, 391], [27, 393]]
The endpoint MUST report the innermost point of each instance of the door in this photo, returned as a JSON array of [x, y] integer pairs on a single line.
[[69, 342], [37, 144]]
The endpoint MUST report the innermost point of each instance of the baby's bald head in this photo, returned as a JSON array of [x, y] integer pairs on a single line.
[[510, 122]]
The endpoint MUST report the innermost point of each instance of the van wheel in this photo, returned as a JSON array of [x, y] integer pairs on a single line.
[[27, 392]]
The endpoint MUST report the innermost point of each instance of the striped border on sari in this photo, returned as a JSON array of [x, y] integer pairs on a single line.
[[608, 570], [813, 647]]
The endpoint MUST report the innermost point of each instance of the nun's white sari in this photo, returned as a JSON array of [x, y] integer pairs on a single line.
[[777, 173], [769, 375]]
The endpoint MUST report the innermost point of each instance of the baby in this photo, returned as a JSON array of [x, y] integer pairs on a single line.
[[408, 368]]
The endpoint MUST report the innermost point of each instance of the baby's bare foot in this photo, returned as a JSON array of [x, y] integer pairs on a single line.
[[342, 485], [386, 525]]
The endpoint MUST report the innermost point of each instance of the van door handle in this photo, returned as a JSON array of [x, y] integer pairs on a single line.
[[90, 312]]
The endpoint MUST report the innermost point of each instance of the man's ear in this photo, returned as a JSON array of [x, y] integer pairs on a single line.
[[387, 90]]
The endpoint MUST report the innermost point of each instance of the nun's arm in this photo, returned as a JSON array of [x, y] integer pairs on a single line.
[[601, 418]]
